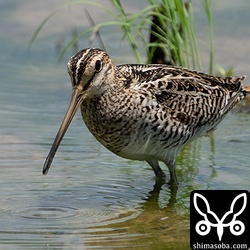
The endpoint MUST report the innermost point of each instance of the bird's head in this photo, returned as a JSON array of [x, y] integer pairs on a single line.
[[89, 70]]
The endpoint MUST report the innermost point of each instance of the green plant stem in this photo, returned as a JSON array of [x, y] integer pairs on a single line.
[[208, 9], [174, 31]]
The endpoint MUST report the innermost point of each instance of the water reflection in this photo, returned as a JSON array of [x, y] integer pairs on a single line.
[[92, 199], [108, 201], [87, 222], [155, 226]]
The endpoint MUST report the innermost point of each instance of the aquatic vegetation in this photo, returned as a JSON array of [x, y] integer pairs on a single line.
[[165, 26]]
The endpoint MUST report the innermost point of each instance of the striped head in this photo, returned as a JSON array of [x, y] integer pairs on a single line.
[[90, 71]]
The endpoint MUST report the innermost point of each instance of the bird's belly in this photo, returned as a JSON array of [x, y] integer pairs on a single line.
[[138, 137], [129, 141], [150, 148]]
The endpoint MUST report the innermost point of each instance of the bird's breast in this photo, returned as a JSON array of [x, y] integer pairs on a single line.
[[134, 128]]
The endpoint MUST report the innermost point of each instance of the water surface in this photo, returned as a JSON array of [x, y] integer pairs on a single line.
[[92, 199]]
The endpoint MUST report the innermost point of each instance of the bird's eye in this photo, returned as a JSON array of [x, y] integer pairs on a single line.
[[98, 65]]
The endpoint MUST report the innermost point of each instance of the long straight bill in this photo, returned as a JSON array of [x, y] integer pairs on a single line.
[[76, 99]]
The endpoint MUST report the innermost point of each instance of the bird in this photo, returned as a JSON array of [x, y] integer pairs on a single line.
[[145, 112]]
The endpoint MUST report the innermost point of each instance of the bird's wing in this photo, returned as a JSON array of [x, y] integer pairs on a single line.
[[192, 97]]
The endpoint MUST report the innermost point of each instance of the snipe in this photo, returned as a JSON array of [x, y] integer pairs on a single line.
[[145, 112]]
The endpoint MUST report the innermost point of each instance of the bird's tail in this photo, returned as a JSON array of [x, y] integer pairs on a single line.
[[246, 90]]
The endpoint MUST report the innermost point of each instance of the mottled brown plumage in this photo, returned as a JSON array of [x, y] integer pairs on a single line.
[[145, 112]]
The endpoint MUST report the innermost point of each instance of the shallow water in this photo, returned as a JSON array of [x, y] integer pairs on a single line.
[[92, 199]]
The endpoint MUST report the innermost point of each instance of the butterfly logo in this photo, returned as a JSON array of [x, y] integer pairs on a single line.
[[203, 227]]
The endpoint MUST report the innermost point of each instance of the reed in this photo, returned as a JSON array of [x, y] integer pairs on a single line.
[[164, 27]]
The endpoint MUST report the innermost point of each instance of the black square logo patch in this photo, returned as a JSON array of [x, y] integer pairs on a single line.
[[219, 219]]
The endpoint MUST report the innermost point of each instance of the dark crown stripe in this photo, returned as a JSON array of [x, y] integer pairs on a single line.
[[82, 62]]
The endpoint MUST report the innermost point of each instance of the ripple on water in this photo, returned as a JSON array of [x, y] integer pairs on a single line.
[[50, 215], [77, 218], [47, 212], [51, 225]]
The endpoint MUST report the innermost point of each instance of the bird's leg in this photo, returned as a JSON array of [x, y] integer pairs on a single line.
[[157, 169], [173, 177]]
